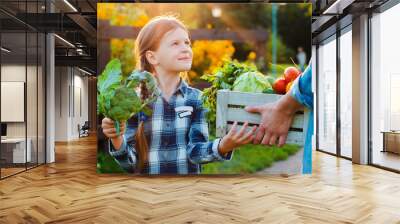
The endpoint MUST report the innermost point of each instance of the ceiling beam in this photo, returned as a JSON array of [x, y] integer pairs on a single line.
[[84, 24], [78, 61]]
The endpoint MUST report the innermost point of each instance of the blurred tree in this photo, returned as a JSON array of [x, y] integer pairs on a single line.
[[252, 16], [283, 52], [122, 14], [123, 49], [294, 23], [295, 27]]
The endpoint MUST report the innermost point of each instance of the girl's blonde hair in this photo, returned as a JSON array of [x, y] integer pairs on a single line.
[[149, 39]]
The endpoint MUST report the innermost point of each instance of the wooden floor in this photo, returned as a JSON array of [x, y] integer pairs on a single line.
[[10, 171], [387, 159], [70, 191]]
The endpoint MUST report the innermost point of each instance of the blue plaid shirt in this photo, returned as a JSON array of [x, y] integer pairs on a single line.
[[177, 134]]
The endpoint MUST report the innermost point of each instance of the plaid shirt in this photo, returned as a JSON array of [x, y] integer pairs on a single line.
[[177, 134]]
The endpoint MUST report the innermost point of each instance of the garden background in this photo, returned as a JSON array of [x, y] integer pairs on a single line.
[[264, 35]]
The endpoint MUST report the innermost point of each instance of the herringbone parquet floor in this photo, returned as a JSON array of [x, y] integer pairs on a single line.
[[70, 191]]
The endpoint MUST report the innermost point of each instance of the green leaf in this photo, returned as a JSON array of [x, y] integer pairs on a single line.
[[147, 111], [111, 77], [117, 98], [251, 81], [222, 78], [141, 76], [117, 127], [124, 102]]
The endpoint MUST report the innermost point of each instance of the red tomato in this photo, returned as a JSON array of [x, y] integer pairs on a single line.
[[291, 74], [280, 86], [289, 86]]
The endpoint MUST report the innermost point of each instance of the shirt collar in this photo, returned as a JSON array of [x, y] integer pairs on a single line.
[[182, 87]]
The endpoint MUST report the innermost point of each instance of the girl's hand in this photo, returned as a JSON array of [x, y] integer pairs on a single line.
[[109, 130], [235, 139]]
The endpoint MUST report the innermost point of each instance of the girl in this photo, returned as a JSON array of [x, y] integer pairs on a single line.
[[174, 140]]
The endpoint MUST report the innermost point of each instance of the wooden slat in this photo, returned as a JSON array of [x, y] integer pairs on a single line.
[[240, 115], [222, 110], [233, 113], [251, 99], [237, 35]]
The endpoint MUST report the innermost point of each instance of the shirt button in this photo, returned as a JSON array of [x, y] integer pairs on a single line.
[[169, 124]]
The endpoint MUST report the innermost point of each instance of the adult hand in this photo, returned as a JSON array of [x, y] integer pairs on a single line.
[[276, 119]]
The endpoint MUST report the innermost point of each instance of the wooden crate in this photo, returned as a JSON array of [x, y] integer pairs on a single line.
[[230, 108]]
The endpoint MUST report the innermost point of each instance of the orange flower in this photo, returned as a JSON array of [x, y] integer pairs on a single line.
[[252, 56], [105, 10], [210, 54], [141, 21]]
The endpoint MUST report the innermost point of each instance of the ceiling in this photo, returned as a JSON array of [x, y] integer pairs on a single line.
[[76, 22], [72, 20]]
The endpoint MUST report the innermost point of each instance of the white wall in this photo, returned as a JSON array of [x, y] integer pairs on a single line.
[[80, 100], [12, 73], [70, 83], [61, 103], [33, 127]]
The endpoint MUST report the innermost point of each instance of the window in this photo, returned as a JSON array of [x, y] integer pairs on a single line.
[[385, 89], [327, 96], [23, 76], [346, 93]]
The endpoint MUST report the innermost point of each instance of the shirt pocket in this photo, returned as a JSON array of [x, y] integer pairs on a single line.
[[183, 120]]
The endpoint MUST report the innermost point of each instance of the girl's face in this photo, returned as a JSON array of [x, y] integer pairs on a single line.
[[174, 53]]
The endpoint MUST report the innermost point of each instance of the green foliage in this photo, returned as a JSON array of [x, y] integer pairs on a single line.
[[294, 25], [250, 158], [110, 77], [271, 80], [294, 20], [118, 98], [283, 52], [123, 104], [253, 82], [223, 78], [124, 49], [107, 164]]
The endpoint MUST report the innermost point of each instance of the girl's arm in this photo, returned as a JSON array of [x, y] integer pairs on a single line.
[[122, 147], [200, 149]]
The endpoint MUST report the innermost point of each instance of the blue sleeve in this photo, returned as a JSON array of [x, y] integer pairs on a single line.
[[307, 155], [200, 149], [302, 92], [302, 88]]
